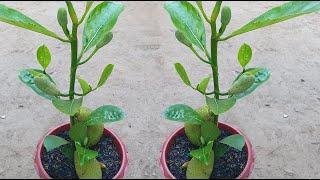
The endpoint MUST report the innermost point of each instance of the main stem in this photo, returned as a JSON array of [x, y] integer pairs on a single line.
[[74, 64], [214, 64]]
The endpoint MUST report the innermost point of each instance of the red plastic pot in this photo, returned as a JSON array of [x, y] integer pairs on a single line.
[[248, 147], [120, 147]]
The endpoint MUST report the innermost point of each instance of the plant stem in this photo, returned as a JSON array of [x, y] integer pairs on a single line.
[[214, 63], [74, 64]]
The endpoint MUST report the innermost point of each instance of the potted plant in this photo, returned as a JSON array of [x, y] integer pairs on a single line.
[[82, 148], [204, 147]]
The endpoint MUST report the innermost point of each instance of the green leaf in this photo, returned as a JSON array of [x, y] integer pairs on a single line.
[[183, 113], [209, 131], [44, 56], [187, 20], [84, 85], [68, 150], [27, 76], [225, 19], [51, 142], [261, 75], [182, 73], [281, 13], [203, 154], [78, 132], [236, 141], [243, 83], [69, 107], [105, 114], [90, 170], [202, 86], [221, 105], [16, 18], [105, 74], [84, 155], [62, 17], [100, 22], [180, 37], [46, 86], [198, 170], [108, 37], [244, 55], [219, 150]]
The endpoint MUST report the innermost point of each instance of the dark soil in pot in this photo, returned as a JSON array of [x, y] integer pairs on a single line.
[[230, 165], [57, 165]]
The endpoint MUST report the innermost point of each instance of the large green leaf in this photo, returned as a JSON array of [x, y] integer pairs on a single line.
[[219, 106], [183, 113], [180, 37], [281, 13], [105, 74], [69, 107], [51, 142], [209, 131], [78, 132], [261, 75], [16, 18], [105, 114], [236, 141], [198, 170], [243, 82], [187, 20], [244, 55], [99, 23], [219, 150], [182, 73], [27, 76], [84, 155], [203, 154]]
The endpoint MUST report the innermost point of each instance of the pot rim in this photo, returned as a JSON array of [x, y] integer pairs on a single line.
[[245, 172], [40, 147]]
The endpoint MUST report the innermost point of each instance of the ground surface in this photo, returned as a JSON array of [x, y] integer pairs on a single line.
[[144, 83]]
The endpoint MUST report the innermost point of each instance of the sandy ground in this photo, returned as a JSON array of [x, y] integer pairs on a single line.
[[144, 83]]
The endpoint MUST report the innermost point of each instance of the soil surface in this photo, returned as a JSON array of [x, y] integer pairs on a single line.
[[144, 82], [59, 166], [230, 165]]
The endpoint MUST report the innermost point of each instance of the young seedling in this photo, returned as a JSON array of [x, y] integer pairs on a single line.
[[86, 125], [201, 125]]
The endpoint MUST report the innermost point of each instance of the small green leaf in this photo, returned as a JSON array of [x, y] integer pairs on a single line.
[[108, 37], [99, 23], [16, 18], [236, 141], [84, 155], [180, 37], [105, 74], [221, 105], [44, 56], [84, 85], [244, 55], [69, 107], [46, 86], [203, 154], [105, 114], [78, 132], [244, 82], [225, 15], [182, 73], [51, 142], [209, 131], [183, 113], [62, 17], [27, 76], [187, 20], [278, 14], [261, 75], [202, 86]]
